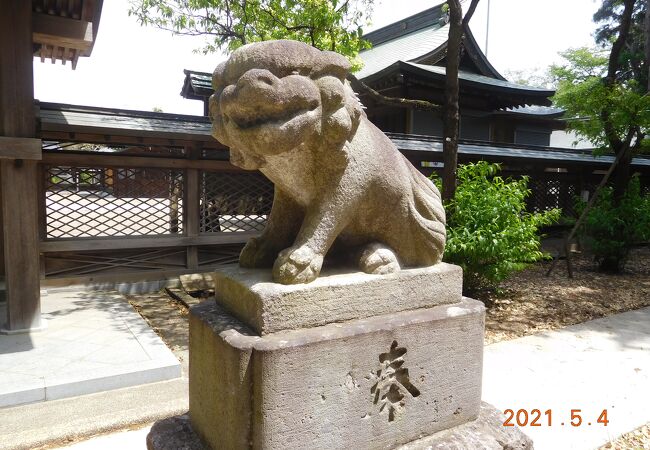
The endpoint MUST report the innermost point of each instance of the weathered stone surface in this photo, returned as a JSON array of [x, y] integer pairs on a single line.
[[485, 433], [267, 307], [285, 108], [221, 378], [197, 282], [174, 433], [369, 383]]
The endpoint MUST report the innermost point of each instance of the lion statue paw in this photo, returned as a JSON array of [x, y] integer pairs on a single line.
[[297, 265], [378, 259], [258, 252]]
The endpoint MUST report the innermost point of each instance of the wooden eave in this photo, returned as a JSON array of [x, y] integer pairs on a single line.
[[118, 126], [195, 89], [430, 147], [498, 96], [64, 30], [471, 50]]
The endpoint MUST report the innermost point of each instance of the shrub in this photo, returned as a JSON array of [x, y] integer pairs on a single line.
[[489, 233], [610, 231]]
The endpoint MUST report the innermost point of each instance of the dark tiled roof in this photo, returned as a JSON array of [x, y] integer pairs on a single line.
[[482, 79], [425, 19], [502, 93], [490, 151], [197, 85], [106, 121], [73, 118], [534, 110], [420, 37]]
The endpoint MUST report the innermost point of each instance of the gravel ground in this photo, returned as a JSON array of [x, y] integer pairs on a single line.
[[531, 302], [636, 440]]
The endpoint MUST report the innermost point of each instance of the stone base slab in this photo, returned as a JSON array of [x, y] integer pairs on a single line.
[[486, 433], [377, 382], [267, 307], [6, 331]]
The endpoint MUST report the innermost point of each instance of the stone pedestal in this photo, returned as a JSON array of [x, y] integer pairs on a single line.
[[268, 307], [486, 432], [408, 366]]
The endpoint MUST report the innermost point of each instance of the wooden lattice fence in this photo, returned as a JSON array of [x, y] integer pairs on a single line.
[[128, 195]]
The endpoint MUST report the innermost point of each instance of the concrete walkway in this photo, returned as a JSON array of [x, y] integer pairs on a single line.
[[597, 365], [93, 342], [59, 421], [602, 364]]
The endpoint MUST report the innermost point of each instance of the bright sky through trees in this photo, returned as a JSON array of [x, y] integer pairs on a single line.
[[134, 67]]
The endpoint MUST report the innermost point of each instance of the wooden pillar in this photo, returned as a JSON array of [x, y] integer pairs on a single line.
[[191, 194], [19, 177]]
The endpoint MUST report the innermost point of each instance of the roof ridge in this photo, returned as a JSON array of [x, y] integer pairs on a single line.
[[423, 19]]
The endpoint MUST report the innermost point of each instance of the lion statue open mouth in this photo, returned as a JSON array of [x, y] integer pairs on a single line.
[[284, 108]]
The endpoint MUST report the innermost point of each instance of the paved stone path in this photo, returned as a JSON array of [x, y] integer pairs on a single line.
[[93, 342], [602, 364], [597, 365]]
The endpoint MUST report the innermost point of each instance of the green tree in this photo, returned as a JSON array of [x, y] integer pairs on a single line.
[[325, 24], [489, 233], [605, 90], [634, 55], [611, 230], [605, 94]]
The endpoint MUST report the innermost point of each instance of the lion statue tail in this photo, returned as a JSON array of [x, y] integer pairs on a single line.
[[428, 214]]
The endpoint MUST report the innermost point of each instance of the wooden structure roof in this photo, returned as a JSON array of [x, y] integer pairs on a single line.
[[421, 38], [515, 99], [71, 122], [414, 49], [408, 143], [197, 85], [112, 125], [412, 52], [500, 94], [64, 30]]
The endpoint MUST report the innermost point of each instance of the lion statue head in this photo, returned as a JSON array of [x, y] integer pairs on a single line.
[[273, 97]]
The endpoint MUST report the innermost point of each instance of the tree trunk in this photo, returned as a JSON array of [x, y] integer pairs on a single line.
[[646, 30], [622, 175], [618, 145], [451, 118]]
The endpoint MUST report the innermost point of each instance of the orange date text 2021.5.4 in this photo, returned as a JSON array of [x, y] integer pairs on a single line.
[[538, 418]]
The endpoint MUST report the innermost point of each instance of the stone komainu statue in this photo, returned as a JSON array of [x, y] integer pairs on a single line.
[[341, 186]]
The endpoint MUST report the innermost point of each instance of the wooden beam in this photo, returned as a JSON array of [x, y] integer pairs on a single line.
[[3, 319], [89, 159], [98, 123], [113, 243], [191, 205], [124, 276], [71, 136], [19, 178], [63, 32], [88, 9], [20, 148]]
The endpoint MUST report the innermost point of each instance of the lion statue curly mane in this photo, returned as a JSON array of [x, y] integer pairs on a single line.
[[341, 186]]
